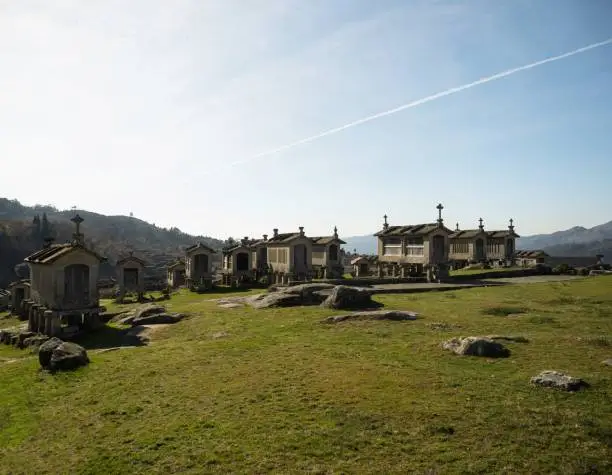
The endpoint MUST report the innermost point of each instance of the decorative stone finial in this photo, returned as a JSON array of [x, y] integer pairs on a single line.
[[480, 226], [301, 230], [440, 208], [77, 236], [456, 226], [265, 237], [335, 231], [275, 230], [511, 226], [385, 224]]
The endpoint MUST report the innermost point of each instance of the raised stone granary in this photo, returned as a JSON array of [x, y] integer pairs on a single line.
[[198, 266], [130, 276], [414, 249], [20, 292], [63, 297], [495, 248], [284, 258], [175, 274]]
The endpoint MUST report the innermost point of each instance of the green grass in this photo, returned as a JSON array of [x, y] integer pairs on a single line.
[[284, 393]]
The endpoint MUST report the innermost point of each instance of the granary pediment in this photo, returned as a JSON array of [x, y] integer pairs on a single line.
[[198, 248], [131, 259]]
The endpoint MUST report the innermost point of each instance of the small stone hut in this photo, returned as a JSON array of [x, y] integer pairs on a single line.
[[130, 276]]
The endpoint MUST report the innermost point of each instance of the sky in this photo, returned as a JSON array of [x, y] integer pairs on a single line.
[[172, 111]]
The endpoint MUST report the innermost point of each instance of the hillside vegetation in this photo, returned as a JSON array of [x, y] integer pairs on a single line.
[[257, 391], [111, 236]]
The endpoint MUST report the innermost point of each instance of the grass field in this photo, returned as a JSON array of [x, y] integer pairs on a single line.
[[284, 393]]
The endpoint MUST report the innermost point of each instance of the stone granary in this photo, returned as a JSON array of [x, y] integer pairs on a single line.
[[414, 249], [289, 256], [238, 261], [20, 292], [63, 287], [130, 276], [362, 265], [175, 276], [198, 266], [326, 256]]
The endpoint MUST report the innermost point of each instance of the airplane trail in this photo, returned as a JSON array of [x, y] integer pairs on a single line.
[[423, 100]]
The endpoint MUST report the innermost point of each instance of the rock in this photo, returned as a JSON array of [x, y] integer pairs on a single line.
[[396, 315], [476, 346], [230, 305], [34, 342], [5, 336], [347, 297], [217, 335], [147, 310], [21, 337], [276, 299], [46, 350], [558, 380], [68, 356], [607, 362], [157, 319]]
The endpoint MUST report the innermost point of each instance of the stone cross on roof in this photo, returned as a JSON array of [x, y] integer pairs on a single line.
[[77, 220], [335, 231], [385, 224], [480, 226], [456, 226], [511, 227], [440, 208]]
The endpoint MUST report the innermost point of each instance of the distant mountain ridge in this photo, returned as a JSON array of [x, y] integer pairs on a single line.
[[576, 241], [111, 236]]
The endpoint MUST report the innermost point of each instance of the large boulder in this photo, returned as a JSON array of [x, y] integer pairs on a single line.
[[396, 315], [558, 380], [57, 355], [276, 299], [348, 297], [476, 346], [157, 319], [147, 310]]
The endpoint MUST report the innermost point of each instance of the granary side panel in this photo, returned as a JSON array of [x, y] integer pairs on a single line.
[[58, 269]]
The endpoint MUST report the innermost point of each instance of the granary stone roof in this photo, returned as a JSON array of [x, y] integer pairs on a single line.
[[284, 237], [502, 233], [25, 282], [197, 246], [412, 230], [131, 258], [326, 240], [50, 254], [177, 263], [467, 233]]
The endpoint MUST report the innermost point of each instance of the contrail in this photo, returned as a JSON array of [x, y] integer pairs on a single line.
[[424, 100]]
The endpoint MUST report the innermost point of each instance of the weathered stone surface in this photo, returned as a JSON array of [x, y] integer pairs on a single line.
[[34, 342], [158, 318], [607, 362], [442, 326], [5, 336], [46, 350], [146, 310], [68, 356], [476, 346], [21, 337], [231, 305], [558, 380], [396, 315], [276, 299], [347, 297]]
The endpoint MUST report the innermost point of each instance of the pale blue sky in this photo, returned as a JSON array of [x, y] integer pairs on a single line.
[[156, 99]]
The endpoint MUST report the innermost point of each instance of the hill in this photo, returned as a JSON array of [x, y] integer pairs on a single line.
[[276, 391], [23, 229], [576, 241]]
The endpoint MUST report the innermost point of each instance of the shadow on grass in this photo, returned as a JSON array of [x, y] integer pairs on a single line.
[[110, 337]]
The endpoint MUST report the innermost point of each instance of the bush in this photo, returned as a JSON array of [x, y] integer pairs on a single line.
[[583, 271], [564, 269]]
